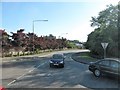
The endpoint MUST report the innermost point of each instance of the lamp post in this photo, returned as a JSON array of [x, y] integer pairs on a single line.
[[33, 30]]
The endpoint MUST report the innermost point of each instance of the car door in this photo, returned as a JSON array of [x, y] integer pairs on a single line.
[[114, 67], [104, 66]]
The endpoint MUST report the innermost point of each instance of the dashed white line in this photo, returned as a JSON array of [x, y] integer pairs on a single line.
[[11, 82], [25, 74], [21, 76]]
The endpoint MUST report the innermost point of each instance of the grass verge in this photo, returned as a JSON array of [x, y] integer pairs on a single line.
[[83, 57]]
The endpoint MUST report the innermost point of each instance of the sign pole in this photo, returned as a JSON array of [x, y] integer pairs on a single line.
[[104, 53]]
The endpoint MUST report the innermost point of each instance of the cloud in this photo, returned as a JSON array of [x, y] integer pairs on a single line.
[[79, 32]]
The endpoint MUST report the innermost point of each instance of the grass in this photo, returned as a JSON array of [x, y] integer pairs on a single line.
[[85, 56]]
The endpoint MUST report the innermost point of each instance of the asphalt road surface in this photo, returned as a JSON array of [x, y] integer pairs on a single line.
[[35, 73]]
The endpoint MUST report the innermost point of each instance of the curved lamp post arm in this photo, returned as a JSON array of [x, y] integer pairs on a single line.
[[33, 29]]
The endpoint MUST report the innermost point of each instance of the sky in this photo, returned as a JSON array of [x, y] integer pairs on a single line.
[[68, 19]]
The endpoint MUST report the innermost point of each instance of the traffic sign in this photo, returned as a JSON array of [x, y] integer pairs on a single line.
[[104, 45]]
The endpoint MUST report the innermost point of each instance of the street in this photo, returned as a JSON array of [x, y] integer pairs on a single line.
[[36, 73]]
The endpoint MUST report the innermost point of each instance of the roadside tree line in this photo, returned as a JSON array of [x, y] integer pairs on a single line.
[[106, 30], [29, 43]]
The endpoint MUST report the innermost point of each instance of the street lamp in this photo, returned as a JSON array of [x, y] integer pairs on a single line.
[[37, 21], [33, 30]]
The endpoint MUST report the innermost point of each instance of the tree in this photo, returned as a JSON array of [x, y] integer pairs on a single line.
[[106, 31], [19, 40], [4, 43]]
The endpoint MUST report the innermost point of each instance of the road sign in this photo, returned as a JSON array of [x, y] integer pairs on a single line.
[[104, 45]]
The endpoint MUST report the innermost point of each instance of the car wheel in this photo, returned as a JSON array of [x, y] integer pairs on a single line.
[[62, 66], [50, 65], [97, 73]]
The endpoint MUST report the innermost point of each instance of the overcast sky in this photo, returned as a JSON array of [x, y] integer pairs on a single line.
[[63, 17]]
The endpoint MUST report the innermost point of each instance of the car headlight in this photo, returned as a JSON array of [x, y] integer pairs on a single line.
[[61, 61], [51, 61]]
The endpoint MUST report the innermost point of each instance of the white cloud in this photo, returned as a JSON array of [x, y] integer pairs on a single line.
[[79, 32]]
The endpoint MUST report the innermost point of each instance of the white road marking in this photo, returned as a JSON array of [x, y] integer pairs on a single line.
[[8, 61], [11, 82], [21, 76], [25, 74], [79, 86]]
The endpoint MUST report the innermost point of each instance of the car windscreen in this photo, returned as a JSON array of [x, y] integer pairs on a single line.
[[57, 57]]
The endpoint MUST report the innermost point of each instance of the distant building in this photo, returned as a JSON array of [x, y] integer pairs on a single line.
[[79, 45]]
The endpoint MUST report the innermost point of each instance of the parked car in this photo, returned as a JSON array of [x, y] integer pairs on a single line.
[[105, 66], [57, 60]]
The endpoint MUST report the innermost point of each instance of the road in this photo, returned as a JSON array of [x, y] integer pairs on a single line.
[[36, 73]]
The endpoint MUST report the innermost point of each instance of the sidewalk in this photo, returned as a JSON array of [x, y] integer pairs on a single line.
[[27, 57], [20, 58], [79, 57]]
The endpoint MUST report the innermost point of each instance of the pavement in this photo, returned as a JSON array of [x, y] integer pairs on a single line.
[[29, 57]]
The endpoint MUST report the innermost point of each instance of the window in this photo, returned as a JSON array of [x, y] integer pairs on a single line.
[[114, 64], [104, 63], [57, 56]]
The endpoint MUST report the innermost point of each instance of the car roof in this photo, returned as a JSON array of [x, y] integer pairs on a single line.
[[112, 59]]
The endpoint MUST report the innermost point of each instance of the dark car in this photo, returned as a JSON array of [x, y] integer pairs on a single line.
[[57, 60], [105, 66]]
